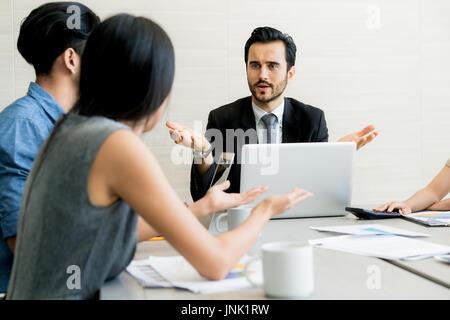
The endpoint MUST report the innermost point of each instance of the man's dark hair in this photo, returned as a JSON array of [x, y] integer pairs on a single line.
[[45, 33], [268, 34], [127, 69]]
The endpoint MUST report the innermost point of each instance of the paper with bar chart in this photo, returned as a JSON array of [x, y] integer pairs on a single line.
[[177, 272]]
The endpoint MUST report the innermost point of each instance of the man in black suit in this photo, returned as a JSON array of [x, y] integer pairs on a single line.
[[266, 116]]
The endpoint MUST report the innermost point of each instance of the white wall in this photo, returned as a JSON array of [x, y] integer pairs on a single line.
[[381, 62]]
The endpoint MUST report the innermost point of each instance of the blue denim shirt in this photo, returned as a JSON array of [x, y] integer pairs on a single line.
[[24, 126]]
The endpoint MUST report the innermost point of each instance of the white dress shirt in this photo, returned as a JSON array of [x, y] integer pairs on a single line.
[[261, 129]]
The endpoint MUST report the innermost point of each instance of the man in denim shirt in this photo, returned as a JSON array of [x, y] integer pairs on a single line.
[[51, 39]]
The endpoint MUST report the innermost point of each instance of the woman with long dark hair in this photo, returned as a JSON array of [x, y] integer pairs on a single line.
[[93, 174]]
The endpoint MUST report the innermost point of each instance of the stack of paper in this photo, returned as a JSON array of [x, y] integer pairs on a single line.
[[177, 272], [146, 275], [370, 229], [379, 241], [430, 218]]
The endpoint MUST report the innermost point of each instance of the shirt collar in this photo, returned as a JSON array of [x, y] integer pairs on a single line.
[[47, 102], [278, 111]]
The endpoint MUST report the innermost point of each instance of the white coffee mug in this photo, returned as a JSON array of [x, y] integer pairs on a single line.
[[288, 270], [233, 218]]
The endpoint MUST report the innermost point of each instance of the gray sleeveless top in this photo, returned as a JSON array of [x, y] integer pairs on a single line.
[[67, 247]]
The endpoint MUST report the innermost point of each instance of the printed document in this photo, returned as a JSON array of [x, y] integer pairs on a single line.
[[370, 229], [389, 247], [177, 272]]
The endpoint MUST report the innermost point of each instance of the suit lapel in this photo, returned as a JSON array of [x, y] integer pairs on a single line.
[[247, 122], [248, 117], [290, 123]]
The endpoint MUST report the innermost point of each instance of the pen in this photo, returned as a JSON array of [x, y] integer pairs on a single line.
[[156, 239]]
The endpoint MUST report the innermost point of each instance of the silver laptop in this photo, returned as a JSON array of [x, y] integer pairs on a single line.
[[325, 169]]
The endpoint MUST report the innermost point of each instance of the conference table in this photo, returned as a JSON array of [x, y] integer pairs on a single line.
[[337, 275]]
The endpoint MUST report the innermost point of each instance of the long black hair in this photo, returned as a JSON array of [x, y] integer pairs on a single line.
[[127, 69], [45, 33]]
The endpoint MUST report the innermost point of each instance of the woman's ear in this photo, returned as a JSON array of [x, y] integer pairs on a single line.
[[71, 60]]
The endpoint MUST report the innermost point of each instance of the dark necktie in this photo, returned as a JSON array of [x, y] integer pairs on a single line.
[[269, 121]]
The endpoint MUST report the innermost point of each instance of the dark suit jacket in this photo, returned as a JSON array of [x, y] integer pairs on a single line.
[[301, 123]]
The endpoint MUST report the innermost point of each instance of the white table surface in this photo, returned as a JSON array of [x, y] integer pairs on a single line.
[[338, 275]]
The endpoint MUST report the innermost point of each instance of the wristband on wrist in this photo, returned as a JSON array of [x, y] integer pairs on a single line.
[[203, 155]]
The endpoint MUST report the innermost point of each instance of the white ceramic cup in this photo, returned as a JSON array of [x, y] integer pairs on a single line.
[[288, 270], [233, 218]]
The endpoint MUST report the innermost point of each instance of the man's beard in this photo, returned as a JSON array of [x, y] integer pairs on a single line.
[[277, 91]]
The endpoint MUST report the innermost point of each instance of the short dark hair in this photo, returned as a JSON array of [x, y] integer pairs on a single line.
[[127, 69], [45, 34], [268, 34]]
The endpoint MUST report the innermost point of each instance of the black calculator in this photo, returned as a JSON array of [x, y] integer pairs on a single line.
[[372, 215]]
